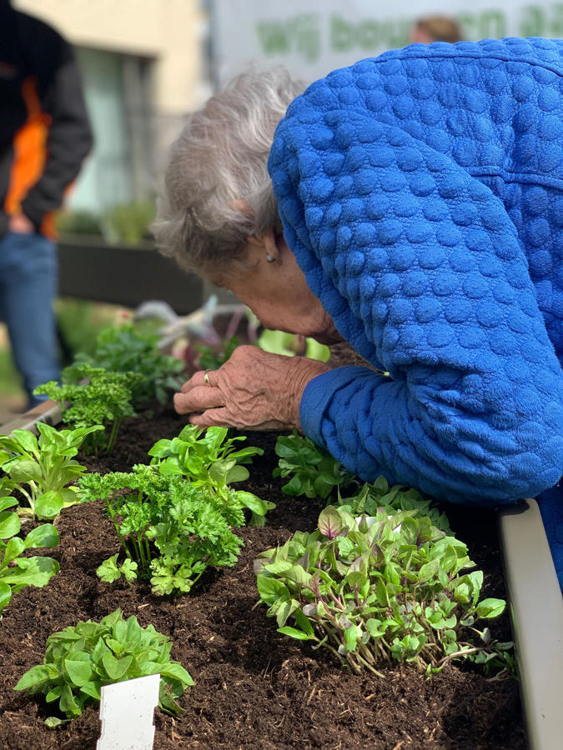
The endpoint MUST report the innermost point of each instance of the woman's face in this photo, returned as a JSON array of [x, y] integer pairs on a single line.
[[276, 291]]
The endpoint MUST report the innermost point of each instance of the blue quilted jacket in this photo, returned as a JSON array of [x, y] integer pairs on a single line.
[[422, 194]]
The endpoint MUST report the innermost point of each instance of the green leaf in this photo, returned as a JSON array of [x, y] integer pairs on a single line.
[[351, 635], [10, 524], [7, 502], [49, 505], [303, 621], [330, 523], [45, 535], [32, 571], [68, 703], [33, 678], [27, 440], [490, 608], [5, 595], [177, 671], [92, 690], [108, 571], [53, 721], [13, 548], [54, 694], [116, 668], [270, 589], [25, 470], [293, 633], [297, 574], [79, 670], [237, 474]]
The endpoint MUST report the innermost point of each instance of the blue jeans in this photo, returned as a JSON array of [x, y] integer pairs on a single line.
[[28, 285]]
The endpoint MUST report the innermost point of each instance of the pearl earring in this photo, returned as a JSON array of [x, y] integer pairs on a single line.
[[270, 258]]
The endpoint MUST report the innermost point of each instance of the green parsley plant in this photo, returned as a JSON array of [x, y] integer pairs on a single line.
[[210, 460], [170, 530], [94, 396]]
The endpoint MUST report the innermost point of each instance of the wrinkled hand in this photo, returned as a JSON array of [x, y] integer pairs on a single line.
[[253, 390]]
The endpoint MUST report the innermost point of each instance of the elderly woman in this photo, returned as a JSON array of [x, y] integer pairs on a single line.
[[411, 204]]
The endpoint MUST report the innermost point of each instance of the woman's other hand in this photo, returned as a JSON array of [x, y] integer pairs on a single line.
[[253, 390]]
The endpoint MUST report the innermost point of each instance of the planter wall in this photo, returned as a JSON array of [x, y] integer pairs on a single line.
[[91, 269], [536, 606], [537, 620]]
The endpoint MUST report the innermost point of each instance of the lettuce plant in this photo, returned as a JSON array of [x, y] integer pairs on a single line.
[[125, 349], [81, 659], [41, 468], [170, 530], [94, 396], [380, 590], [17, 572], [210, 460]]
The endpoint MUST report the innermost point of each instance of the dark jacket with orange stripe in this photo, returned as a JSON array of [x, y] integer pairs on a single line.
[[44, 128]]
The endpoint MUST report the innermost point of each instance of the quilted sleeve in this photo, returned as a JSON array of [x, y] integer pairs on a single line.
[[421, 270]]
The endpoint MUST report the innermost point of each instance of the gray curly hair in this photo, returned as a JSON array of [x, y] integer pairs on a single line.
[[220, 159]]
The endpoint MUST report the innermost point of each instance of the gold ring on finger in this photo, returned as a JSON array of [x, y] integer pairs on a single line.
[[206, 377]]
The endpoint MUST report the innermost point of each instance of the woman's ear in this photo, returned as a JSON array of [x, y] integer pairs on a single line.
[[266, 244]]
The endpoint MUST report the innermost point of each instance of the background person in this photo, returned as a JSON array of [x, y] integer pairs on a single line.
[[44, 136], [436, 29], [413, 207]]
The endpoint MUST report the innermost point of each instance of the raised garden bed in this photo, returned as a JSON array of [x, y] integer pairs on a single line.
[[253, 687]]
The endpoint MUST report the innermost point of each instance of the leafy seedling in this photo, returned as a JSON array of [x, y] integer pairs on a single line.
[[313, 472], [93, 396], [125, 349], [41, 468], [380, 590], [17, 572], [210, 460], [81, 659]]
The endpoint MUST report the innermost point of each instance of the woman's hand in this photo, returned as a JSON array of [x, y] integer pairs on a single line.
[[253, 390]]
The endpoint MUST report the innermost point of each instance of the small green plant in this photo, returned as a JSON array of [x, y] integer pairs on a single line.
[[313, 472], [81, 659], [211, 357], [93, 396], [125, 349], [16, 572], [381, 590], [129, 222], [170, 530], [368, 498], [41, 468], [210, 460]]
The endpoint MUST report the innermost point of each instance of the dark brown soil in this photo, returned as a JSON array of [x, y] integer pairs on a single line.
[[254, 688]]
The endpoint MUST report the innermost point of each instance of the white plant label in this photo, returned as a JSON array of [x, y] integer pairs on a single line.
[[127, 712]]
